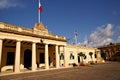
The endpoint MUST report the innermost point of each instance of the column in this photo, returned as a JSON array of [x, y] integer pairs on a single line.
[[17, 57], [65, 57], [1, 44], [33, 57], [46, 57], [57, 56]]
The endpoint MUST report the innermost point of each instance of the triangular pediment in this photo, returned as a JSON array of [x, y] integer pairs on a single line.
[[40, 27]]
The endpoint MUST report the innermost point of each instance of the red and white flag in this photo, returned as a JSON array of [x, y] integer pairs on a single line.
[[40, 7]]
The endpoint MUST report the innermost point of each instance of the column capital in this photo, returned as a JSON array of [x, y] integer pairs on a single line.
[[1, 38], [56, 45], [18, 40], [46, 43], [65, 45]]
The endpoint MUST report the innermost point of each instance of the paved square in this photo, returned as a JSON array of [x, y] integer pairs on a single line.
[[105, 71]]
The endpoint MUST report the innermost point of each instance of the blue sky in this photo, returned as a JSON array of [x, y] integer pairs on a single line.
[[96, 21]]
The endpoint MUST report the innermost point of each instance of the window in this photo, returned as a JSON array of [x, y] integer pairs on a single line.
[[71, 56], [95, 55], [42, 58], [62, 56], [85, 57]]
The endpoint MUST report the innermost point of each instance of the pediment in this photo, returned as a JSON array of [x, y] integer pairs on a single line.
[[40, 27]]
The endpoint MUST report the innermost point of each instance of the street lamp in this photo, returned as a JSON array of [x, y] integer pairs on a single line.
[[41, 40]]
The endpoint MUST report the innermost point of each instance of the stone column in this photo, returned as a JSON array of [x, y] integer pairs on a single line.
[[1, 44], [17, 57], [65, 57], [57, 56], [46, 57], [33, 57]]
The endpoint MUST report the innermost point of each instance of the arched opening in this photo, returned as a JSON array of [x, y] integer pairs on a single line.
[[103, 55], [27, 58]]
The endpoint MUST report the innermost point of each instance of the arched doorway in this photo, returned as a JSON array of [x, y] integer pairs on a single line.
[[27, 58]]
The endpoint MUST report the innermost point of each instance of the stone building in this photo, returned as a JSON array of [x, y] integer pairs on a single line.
[[33, 49], [111, 52]]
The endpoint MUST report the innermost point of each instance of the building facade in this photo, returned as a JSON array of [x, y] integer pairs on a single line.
[[24, 48], [111, 52]]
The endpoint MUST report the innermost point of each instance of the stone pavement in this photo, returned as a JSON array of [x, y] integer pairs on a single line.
[[104, 71]]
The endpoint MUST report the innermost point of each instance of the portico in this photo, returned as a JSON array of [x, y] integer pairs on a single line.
[[23, 51]]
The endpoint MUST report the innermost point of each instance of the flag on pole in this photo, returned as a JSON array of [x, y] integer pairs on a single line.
[[39, 11], [76, 34], [40, 7]]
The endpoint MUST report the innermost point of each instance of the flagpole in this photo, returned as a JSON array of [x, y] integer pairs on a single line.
[[75, 33], [38, 11], [75, 39]]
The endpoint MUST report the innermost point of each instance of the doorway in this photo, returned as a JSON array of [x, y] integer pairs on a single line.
[[27, 58], [78, 59], [10, 58]]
